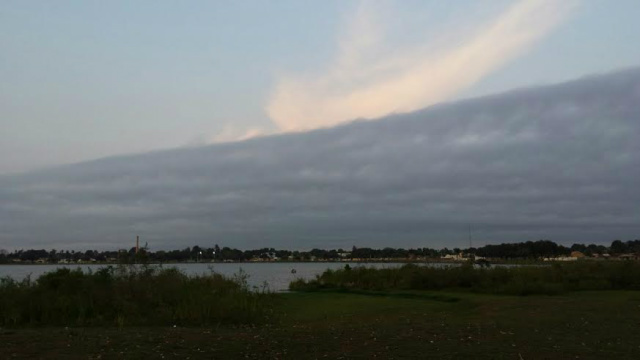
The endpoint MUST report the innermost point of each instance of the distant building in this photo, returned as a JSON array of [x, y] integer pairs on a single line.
[[577, 254], [454, 257], [561, 258]]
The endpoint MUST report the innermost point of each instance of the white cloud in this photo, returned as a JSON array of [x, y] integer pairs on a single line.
[[231, 133], [228, 133], [364, 82]]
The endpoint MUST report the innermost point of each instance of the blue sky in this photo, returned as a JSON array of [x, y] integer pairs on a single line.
[[88, 79]]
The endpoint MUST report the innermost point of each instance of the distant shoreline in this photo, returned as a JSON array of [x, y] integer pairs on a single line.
[[239, 262], [394, 261]]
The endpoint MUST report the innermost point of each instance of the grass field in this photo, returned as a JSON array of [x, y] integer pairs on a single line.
[[365, 325]]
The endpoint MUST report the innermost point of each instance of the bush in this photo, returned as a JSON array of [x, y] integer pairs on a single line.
[[522, 280], [130, 296]]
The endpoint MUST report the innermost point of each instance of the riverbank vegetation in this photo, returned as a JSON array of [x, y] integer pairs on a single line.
[[520, 280], [127, 296]]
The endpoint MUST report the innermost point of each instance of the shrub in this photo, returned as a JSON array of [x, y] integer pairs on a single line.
[[521, 280], [130, 295]]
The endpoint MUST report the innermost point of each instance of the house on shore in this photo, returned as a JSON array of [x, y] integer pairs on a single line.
[[577, 254]]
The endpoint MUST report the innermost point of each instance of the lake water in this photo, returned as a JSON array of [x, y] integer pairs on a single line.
[[276, 275]]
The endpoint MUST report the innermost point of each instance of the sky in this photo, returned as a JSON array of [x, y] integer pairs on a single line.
[[559, 162], [318, 124], [88, 79]]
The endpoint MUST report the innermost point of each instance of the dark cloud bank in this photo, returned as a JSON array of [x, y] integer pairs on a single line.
[[559, 162]]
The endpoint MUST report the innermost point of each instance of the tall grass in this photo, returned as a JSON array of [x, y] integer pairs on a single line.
[[129, 295], [524, 280]]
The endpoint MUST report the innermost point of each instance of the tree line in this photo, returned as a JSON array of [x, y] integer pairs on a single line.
[[522, 250]]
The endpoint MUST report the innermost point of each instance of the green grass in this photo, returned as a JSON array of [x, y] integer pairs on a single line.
[[524, 280], [126, 296]]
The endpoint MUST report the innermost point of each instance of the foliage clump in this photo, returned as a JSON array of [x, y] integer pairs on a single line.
[[130, 295], [520, 280]]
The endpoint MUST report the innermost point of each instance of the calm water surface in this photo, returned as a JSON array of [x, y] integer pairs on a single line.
[[276, 275]]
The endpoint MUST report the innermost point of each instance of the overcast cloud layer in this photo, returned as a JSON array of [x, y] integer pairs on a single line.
[[559, 162]]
